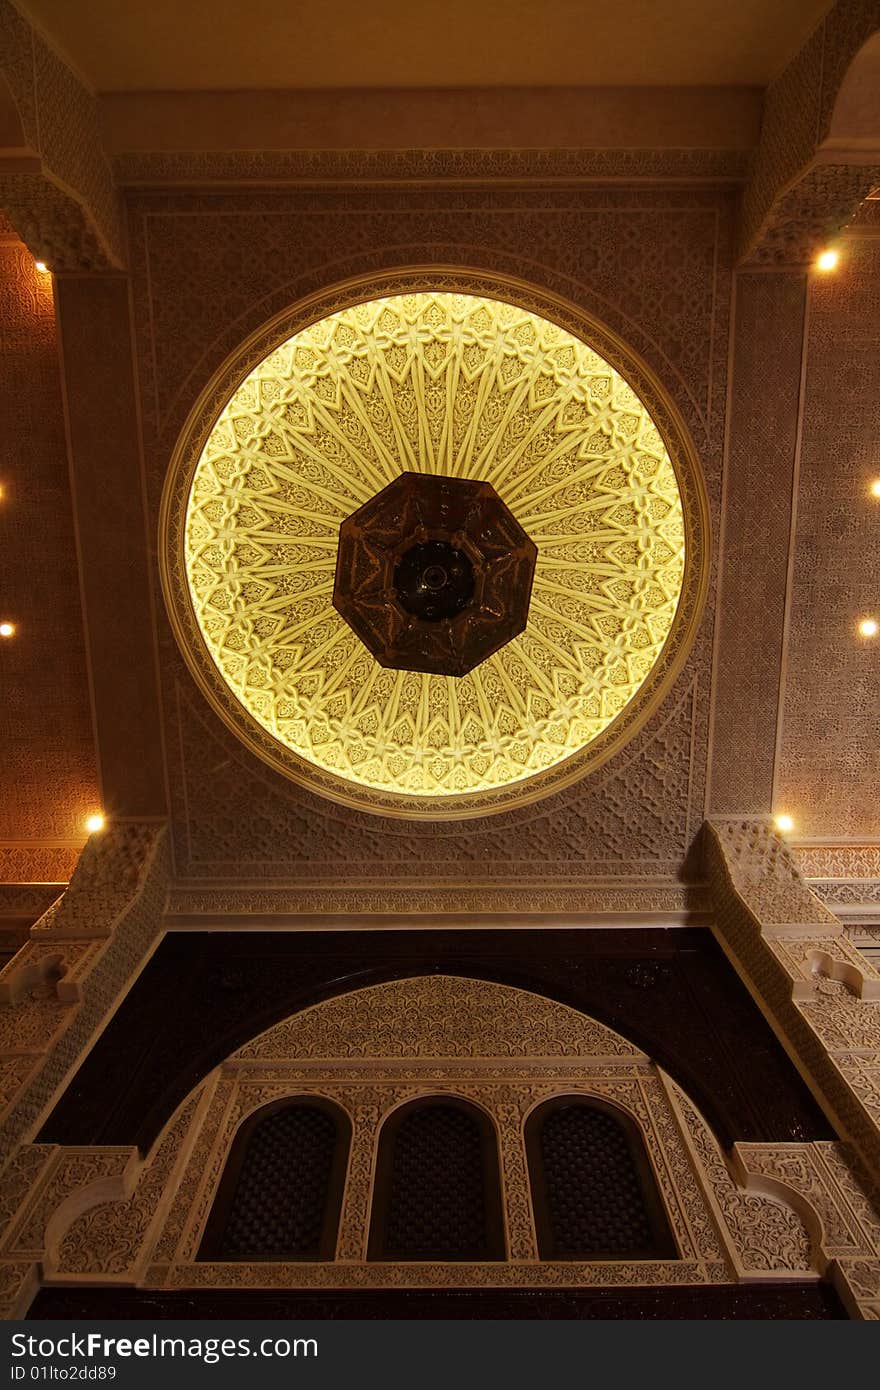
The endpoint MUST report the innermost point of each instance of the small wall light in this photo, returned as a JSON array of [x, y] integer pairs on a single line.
[[42, 267], [868, 627], [827, 260], [784, 824], [95, 823], [7, 629], [875, 488]]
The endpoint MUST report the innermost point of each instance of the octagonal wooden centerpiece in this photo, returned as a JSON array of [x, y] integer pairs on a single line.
[[434, 574]]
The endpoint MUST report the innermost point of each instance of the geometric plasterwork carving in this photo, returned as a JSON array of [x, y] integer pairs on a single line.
[[819, 151], [815, 210], [437, 1016], [465, 386], [57, 991], [56, 185]]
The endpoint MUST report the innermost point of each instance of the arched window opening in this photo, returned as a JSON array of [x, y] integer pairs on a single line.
[[437, 1193], [281, 1191], [593, 1189]]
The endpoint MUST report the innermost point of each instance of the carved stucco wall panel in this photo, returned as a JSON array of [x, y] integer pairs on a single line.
[[762, 1234], [109, 1238], [831, 1032], [83, 954], [795, 198], [68, 211]]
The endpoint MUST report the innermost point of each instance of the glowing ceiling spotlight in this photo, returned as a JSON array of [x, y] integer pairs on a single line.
[[42, 267], [95, 823], [784, 824], [868, 627], [827, 259], [7, 629], [875, 488]]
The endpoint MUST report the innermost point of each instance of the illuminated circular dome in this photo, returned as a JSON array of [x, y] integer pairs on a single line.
[[460, 387]]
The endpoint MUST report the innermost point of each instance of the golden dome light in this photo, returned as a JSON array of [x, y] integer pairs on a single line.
[[457, 386]]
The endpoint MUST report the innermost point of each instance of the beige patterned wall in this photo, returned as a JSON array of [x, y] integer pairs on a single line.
[[208, 270], [829, 765]]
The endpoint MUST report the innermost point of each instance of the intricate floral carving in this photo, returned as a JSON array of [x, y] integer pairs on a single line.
[[792, 200], [71, 1171], [766, 1234], [108, 1239], [836, 1036], [365, 166], [800, 1167], [515, 898], [19, 1281], [437, 1016], [20, 1176], [68, 212], [812, 212], [766, 876], [115, 900]]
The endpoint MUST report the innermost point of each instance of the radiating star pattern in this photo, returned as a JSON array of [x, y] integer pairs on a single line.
[[467, 387]]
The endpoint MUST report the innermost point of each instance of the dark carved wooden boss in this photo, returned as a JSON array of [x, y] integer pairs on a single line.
[[434, 574]]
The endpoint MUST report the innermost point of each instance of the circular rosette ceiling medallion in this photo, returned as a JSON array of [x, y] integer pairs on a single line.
[[552, 601]]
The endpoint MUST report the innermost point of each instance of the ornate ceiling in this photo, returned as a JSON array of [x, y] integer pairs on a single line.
[[462, 386]]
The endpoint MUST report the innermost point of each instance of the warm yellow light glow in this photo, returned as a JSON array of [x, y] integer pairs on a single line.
[[784, 824], [460, 386], [7, 629], [95, 823], [827, 260], [868, 627], [875, 488], [41, 267]]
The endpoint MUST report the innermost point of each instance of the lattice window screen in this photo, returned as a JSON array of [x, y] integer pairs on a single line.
[[275, 1201], [594, 1195], [437, 1194]]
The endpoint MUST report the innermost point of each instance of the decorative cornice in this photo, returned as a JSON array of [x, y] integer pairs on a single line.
[[474, 166]]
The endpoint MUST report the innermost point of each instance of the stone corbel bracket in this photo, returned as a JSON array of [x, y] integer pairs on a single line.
[[56, 183]]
